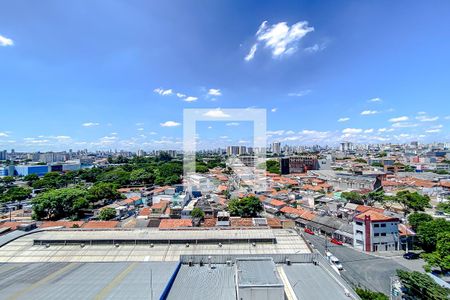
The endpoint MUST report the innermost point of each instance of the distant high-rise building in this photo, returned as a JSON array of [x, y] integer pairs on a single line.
[[232, 150], [242, 150], [3, 155], [346, 146], [276, 147]]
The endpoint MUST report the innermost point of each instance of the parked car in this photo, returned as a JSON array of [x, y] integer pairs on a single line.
[[411, 255], [307, 230], [337, 242]]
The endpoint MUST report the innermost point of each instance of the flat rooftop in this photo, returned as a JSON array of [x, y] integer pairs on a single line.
[[123, 280], [26, 250], [155, 236], [257, 272]]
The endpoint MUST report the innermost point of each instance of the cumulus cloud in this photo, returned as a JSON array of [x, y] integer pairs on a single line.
[[345, 119], [170, 124], [404, 125], [3, 134], [376, 99], [90, 124], [424, 118], [4, 41], [315, 48], [280, 38], [214, 92], [436, 130], [180, 95], [368, 130], [163, 92], [368, 112], [274, 109], [399, 119], [190, 99], [352, 130], [216, 113]]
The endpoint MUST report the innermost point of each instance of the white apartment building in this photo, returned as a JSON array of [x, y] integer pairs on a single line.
[[373, 231]]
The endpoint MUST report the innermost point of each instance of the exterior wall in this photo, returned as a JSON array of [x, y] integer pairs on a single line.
[[27, 170], [261, 293], [383, 236], [71, 167]]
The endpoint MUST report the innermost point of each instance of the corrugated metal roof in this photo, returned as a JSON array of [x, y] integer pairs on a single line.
[[85, 280], [257, 272], [204, 283]]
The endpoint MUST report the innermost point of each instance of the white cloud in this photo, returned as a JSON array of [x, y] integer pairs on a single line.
[[3, 134], [210, 127], [352, 130], [300, 94], [345, 119], [180, 95], [385, 129], [140, 129], [279, 38], [368, 112], [275, 132], [190, 99], [169, 124], [404, 125], [233, 124], [433, 130], [214, 92], [216, 113], [4, 41], [274, 109], [315, 48], [224, 137], [153, 133], [447, 117], [368, 130], [251, 53], [399, 119], [163, 92], [421, 113], [90, 124], [290, 132], [424, 118], [243, 142], [376, 99]]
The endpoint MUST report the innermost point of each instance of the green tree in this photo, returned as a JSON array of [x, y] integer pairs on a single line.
[[412, 201], [441, 257], [141, 176], [376, 196], [197, 213], [415, 219], [116, 175], [273, 166], [7, 180], [444, 207], [103, 191], [107, 213], [52, 180], [370, 295], [420, 286], [15, 193], [60, 203], [31, 178], [353, 197], [245, 207], [429, 231], [377, 164]]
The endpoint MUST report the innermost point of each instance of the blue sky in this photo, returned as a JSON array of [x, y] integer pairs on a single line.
[[118, 74]]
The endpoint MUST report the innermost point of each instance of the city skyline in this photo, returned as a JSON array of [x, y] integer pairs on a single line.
[[351, 72]]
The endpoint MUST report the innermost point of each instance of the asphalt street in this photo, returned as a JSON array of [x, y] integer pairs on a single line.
[[369, 271]]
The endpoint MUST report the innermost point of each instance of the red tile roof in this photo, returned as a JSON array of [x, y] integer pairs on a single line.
[[274, 223], [175, 223], [276, 202], [66, 224], [364, 208], [375, 216], [241, 222], [145, 211], [101, 224], [210, 222]]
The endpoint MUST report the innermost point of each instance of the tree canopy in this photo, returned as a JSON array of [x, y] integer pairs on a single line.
[[411, 201], [428, 233], [353, 197], [420, 286], [107, 213], [245, 207], [197, 213], [415, 219], [60, 203], [441, 256], [370, 295]]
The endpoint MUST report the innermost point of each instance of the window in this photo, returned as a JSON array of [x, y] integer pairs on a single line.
[[359, 223], [383, 225], [376, 225], [383, 234], [377, 234]]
